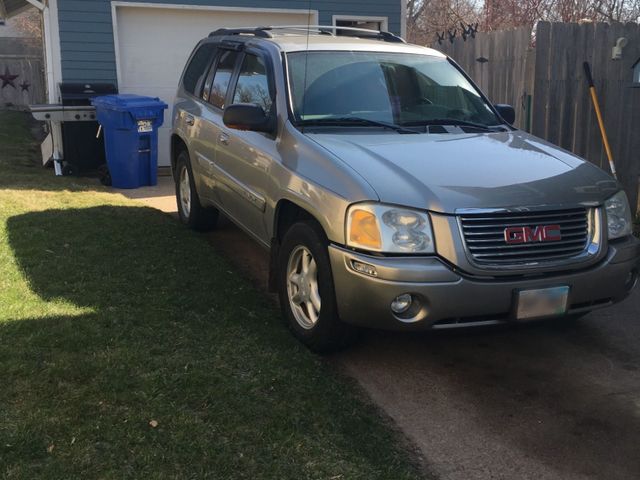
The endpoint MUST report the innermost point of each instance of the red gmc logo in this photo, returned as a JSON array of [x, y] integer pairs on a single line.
[[542, 233]]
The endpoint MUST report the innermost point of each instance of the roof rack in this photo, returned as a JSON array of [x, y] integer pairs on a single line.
[[265, 32], [256, 31]]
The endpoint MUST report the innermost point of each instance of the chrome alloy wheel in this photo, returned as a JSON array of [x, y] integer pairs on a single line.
[[302, 287], [185, 192]]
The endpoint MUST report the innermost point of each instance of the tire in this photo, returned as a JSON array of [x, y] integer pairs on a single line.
[[190, 210], [306, 240]]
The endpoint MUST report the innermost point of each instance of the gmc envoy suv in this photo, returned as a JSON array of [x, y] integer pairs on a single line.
[[388, 190]]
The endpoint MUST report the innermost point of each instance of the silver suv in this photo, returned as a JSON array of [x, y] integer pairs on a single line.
[[388, 190]]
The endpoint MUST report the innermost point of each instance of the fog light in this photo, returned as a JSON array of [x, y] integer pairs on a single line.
[[401, 303], [364, 268]]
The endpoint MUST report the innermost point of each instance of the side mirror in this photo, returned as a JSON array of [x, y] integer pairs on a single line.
[[247, 116], [507, 112]]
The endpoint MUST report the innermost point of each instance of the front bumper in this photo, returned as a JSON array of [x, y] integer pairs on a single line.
[[449, 298]]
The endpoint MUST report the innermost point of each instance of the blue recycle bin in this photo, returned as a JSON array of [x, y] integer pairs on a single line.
[[130, 124]]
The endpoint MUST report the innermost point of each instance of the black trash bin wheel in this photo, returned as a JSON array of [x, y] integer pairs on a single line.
[[68, 170], [104, 175]]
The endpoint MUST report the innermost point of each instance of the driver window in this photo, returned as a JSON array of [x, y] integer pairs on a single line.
[[222, 77], [253, 83]]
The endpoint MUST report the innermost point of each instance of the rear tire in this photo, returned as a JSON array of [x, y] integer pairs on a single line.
[[190, 210], [306, 290]]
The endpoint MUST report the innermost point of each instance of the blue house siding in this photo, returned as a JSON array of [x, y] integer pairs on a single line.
[[86, 30]]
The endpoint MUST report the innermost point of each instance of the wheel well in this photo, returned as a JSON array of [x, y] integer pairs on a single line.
[[177, 146], [287, 214]]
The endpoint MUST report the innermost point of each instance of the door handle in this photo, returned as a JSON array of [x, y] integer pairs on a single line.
[[189, 120], [223, 138]]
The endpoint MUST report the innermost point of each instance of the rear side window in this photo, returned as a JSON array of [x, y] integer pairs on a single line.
[[253, 83], [222, 77], [197, 69]]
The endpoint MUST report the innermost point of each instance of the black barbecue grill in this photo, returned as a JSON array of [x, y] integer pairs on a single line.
[[83, 148]]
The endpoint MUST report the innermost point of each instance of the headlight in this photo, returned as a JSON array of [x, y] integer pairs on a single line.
[[383, 228], [619, 221]]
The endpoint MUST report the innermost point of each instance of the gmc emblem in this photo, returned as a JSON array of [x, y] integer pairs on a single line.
[[542, 233]]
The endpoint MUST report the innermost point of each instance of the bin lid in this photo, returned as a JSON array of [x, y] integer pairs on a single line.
[[126, 102]]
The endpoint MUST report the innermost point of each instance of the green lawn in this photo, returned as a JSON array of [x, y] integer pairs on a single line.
[[114, 317]]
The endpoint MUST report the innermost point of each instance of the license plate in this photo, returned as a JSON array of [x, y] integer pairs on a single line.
[[543, 302]]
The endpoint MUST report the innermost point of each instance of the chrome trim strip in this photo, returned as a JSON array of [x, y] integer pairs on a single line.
[[535, 208], [204, 162]]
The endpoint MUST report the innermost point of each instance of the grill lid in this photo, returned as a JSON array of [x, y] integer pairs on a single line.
[[72, 93], [517, 238]]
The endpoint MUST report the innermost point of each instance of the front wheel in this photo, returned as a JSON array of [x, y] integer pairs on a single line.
[[190, 211], [307, 296]]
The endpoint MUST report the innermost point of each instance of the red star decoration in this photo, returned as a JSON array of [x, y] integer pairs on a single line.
[[7, 78], [25, 86]]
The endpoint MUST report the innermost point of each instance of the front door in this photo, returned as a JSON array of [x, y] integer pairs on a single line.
[[244, 159]]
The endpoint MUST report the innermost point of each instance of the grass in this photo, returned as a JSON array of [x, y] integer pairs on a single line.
[[129, 349]]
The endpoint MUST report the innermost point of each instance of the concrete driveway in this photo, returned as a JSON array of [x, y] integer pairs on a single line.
[[546, 401]]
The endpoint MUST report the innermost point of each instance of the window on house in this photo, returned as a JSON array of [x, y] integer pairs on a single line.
[[636, 73], [197, 69], [253, 83], [222, 77], [367, 23]]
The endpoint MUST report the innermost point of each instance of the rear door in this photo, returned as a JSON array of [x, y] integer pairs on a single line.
[[190, 111], [214, 97]]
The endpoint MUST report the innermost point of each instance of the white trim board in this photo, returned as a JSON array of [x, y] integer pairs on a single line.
[[384, 21], [180, 6], [403, 18], [53, 62], [52, 50]]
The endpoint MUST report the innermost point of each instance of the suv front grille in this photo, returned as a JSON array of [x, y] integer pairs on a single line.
[[484, 236]]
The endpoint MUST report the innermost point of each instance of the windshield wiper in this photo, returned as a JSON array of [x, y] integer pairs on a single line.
[[457, 123], [353, 121]]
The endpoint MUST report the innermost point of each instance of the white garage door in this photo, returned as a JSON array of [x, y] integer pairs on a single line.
[[153, 45]]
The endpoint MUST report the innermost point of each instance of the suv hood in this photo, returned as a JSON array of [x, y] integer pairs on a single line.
[[445, 172]]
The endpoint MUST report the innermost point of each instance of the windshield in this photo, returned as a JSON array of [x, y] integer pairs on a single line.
[[395, 88]]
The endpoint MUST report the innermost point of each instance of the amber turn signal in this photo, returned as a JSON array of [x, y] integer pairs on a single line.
[[364, 230]]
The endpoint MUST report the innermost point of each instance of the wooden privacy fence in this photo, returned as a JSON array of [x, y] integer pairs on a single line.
[[21, 72], [543, 78]]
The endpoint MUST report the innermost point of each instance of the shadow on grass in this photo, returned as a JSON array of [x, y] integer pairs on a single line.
[[175, 336], [21, 158]]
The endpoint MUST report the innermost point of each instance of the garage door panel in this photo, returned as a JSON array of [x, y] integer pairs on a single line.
[[153, 45]]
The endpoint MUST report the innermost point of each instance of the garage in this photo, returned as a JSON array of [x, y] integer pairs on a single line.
[[153, 44]]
